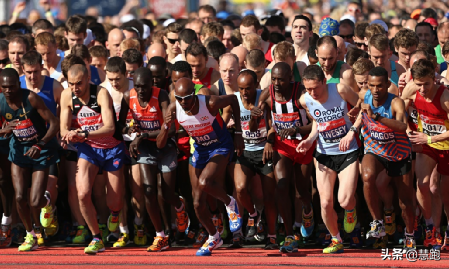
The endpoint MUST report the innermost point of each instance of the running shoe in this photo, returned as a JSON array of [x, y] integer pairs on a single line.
[[336, 246], [160, 243], [377, 229], [200, 238], [18, 234], [390, 222], [409, 242], [271, 243], [446, 241], [40, 236], [355, 238], [105, 234], [381, 243], [182, 219], [71, 232], [29, 244], [122, 241], [235, 221], [5, 237], [260, 235], [430, 236], [280, 233], [251, 229], [208, 246], [82, 235], [217, 219], [237, 240], [95, 246], [113, 221], [140, 238], [308, 223], [350, 221], [290, 245], [53, 228], [190, 236], [438, 241], [47, 212]]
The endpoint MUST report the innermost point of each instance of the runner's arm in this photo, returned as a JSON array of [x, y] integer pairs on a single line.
[[399, 123], [37, 103], [312, 127], [348, 94], [347, 77], [169, 118], [107, 115], [123, 113], [66, 112]]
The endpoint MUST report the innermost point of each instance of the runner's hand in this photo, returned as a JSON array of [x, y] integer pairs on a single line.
[[256, 112], [238, 144], [33, 153], [134, 146], [304, 146], [418, 138], [285, 133], [354, 113], [133, 129], [401, 82], [267, 153], [20, 7], [8, 127], [170, 118], [345, 142], [367, 109]]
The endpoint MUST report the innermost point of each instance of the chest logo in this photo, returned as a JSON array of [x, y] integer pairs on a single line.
[[8, 116]]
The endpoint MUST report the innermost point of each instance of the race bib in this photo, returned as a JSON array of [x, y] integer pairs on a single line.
[[333, 131], [149, 124], [431, 126], [381, 134], [25, 131], [204, 136], [256, 137], [286, 121]]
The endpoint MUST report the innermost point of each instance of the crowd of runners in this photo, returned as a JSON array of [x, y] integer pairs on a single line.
[[205, 131]]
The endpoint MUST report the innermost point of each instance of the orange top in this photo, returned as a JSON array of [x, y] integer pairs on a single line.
[[149, 118]]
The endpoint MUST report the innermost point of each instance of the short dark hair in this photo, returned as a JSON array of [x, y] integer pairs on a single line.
[[68, 61], [330, 40], [311, 52], [81, 51], [182, 66], [251, 20], [188, 36], [429, 13], [359, 30], [76, 24], [3, 44], [313, 72], [195, 50], [42, 24], [305, 18], [32, 57], [348, 22], [116, 65], [136, 24], [132, 56], [251, 73], [255, 58], [216, 48], [405, 38], [208, 8], [354, 54], [10, 73], [157, 60], [98, 51], [422, 69], [276, 37], [379, 72], [99, 33], [276, 21]]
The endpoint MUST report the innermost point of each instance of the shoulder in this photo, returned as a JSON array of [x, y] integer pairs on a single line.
[[399, 68], [397, 101], [346, 70]]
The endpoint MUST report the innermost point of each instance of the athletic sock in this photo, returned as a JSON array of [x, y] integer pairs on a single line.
[[231, 204], [138, 221], [6, 220], [337, 237], [97, 236], [429, 222], [253, 215], [272, 235], [409, 234], [215, 237], [161, 234], [32, 233], [48, 197], [124, 229]]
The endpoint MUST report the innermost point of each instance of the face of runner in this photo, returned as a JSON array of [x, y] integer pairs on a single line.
[[229, 70], [171, 40], [227, 39], [117, 80], [130, 69], [177, 75], [184, 93], [98, 62], [10, 86], [74, 39], [361, 80], [260, 71], [315, 88], [48, 52], [159, 76], [327, 56], [143, 86], [280, 79], [300, 32], [425, 34], [443, 36], [33, 73], [379, 58], [78, 83], [378, 87], [247, 88], [424, 85], [247, 30], [404, 54], [198, 64], [16, 52], [206, 16]]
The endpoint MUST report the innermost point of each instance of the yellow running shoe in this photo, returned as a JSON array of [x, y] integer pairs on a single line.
[[160, 243], [122, 241], [140, 238], [350, 221], [29, 244], [40, 236], [335, 247], [53, 228], [95, 246], [113, 222], [389, 220], [46, 216]]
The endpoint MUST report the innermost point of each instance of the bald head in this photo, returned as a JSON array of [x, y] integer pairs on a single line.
[[156, 50], [184, 86], [10, 73], [241, 53], [282, 68], [410, 24], [143, 74], [341, 48], [115, 38]]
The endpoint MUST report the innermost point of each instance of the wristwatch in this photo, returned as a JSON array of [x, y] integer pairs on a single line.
[[354, 129], [377, 116], [86, 134]]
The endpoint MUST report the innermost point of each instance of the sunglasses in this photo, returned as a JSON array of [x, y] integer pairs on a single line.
[[172, 41], [359, 44], [354, 10], [4, 61], [346, 36], [186, 98]]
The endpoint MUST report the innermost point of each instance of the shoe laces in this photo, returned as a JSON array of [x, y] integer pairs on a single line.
[[122, 238], [334, 243], [94, 242], [373, 225], [158, 240]]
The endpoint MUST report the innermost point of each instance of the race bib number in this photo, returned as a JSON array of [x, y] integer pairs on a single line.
[[333, 131], [286, 121], [256, 137], [432, 127], [25, 131], [381, 134], [149, 126], [204, 136]]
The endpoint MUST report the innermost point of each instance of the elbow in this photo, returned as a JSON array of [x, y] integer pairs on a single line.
[[403, 128]]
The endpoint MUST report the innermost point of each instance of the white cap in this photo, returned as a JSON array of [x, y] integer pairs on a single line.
[[348, 17], [381, 22], [167, 22], [127, 18], [146, 31], [89, 37]]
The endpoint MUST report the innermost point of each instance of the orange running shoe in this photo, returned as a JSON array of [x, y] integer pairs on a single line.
[[160, 243], [182, 219]]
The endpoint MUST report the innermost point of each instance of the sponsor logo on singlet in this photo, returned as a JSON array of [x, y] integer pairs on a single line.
[[381, 133], [25, 131], [329, 115], [432, 126], [333, 131]]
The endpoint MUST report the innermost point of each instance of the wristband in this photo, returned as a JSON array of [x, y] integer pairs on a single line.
[[36, 146], [48, 14], [15, 14], [271, 142], [429, 139], [166, 126]]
